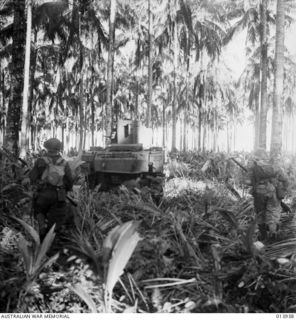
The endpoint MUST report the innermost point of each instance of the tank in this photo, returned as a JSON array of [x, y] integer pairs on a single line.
[[126, 162]]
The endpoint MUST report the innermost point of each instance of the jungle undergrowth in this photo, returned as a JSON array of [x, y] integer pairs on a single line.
[[193, 255]]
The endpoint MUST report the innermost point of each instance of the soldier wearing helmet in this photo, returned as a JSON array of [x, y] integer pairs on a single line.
[[53, 146], [53, 179], [269, 185]]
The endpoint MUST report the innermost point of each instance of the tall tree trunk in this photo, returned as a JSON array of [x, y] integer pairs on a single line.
[[2, 104], [228, 137], [52, 129], [81, 95], [17, 78], [92, 123], [263, 85], [149, 104], [25, 115], [257, 122], [199, 128], [185, 138], [186, 110], [194, 136], [293, 134], [215, 132], [174, 104], [31, 110], [92, 105], [137, 101], [36, 140], [181, 120], [108, 113], [84, 128], [277, 116], [67, 135], [63, 139], [163, 126], [204, 138]]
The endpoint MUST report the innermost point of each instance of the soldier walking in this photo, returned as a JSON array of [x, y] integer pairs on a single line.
[[53, 179], [269, 186]]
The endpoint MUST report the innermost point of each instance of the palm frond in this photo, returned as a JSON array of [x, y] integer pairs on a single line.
[[123, 240], [32, 232], [81, 292], [185, 14], [233, 14]]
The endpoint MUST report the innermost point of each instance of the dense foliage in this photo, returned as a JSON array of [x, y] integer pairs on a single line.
[[197, 250]]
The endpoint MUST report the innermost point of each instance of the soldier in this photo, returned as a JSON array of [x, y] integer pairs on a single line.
[[53, 179], [269, 184]]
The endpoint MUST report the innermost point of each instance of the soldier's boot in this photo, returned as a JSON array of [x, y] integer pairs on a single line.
[[262, 231]]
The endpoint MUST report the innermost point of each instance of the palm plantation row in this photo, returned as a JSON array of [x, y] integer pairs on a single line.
[[88, 63]]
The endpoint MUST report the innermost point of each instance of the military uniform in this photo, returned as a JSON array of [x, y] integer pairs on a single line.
[[50, 206], [269, 185]]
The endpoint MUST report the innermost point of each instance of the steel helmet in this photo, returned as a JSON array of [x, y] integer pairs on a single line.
[[53, 145]]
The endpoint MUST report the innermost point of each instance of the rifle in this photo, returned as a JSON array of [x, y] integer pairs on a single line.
[[239, 164], [284, 206], [72, 200]]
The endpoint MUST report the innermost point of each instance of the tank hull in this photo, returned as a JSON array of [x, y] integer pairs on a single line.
[[125, 164]]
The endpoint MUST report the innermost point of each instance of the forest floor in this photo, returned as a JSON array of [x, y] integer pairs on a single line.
[[197, 251]]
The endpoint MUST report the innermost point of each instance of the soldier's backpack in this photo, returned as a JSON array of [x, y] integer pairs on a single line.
[[264, 171], [54, 172]]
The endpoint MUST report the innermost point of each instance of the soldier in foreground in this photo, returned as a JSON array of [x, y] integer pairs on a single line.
[[53, 179], [269, 187]]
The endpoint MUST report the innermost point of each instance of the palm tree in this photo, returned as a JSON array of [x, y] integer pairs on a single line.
[[174, 107], [168, 31], [263, 87], [108, 113], [17, 75], [119, 15], [249, 83], [256, 22], [24, 122], [80, 36], [49, 9], [23, 82], [150, 62], [277, 115]]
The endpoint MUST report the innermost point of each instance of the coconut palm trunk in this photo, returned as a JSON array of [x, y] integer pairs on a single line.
[[17, 78], [108, 110], [263, 108], [31, 106], [149, 65], [2, 109], [24, 130], [186, 105], [163, 126], [81, 92], [92, 105], [257, 122], [174, 104], [199, 126], [277, 115]]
